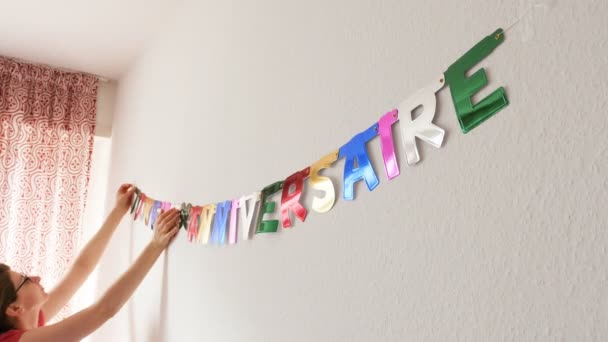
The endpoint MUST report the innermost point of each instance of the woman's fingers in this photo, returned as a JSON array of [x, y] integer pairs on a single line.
[[129, 190], [167, 226], [171, 233], [124, 187], [173, 217], [161, 218], [165, 216], [174, 221]]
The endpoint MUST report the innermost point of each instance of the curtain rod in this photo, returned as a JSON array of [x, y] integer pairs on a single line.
[[101, 78]]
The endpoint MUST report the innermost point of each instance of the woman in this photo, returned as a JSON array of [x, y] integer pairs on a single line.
[[24, 305]]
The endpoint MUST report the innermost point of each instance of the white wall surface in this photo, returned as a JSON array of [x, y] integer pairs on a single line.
[[498, 236], [106, 103]]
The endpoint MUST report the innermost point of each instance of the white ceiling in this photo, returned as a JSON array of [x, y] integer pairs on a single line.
[[101, 37]]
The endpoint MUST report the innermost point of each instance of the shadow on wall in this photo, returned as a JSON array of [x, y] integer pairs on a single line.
[[157, 331]]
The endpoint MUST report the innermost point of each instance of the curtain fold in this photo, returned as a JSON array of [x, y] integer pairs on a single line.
[[47, 123]]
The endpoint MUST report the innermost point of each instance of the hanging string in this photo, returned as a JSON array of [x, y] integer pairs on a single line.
[[525, 14]]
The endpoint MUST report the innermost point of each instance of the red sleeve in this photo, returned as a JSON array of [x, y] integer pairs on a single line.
[[41, 321], [15, 334], [11, 336]]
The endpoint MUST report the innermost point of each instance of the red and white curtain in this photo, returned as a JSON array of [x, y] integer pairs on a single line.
[[47, 121]]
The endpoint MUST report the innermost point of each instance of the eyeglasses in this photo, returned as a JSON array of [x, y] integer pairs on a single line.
[[25, 280]]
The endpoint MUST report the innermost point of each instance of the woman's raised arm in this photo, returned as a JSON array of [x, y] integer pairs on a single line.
[[89, 256], [85, 322]]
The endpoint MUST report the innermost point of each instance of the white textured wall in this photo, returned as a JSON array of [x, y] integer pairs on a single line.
[[498, 236], [106, 101]]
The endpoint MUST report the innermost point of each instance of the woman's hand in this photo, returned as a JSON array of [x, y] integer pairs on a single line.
[[124, 198], [166, 227]]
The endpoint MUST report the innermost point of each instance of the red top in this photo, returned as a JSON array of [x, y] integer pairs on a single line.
[[15, 334]]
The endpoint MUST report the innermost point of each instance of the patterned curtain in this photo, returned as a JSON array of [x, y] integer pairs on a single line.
[[47, 121]]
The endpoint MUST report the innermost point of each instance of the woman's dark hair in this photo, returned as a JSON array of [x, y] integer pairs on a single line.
[[7, 296]]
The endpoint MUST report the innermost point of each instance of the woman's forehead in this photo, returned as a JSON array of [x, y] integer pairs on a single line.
[[15, 276]]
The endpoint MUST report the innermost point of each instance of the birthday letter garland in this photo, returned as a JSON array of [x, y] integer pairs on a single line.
[[217, 222]]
